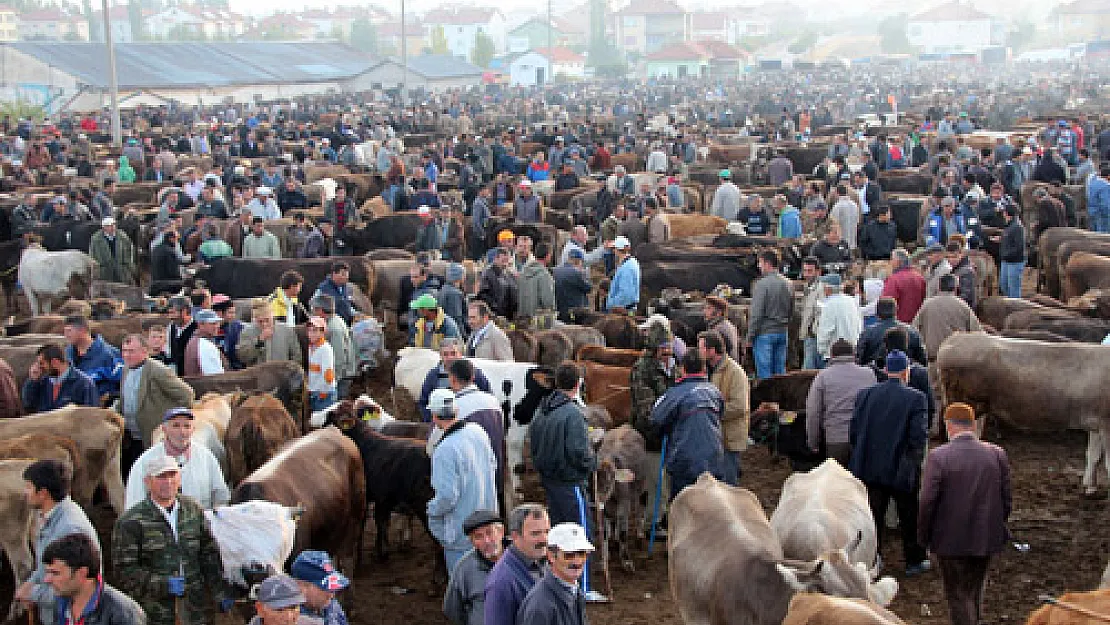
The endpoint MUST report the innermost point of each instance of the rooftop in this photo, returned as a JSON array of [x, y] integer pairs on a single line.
[[460, 15], [560, 55], [954, 11], [652, 7]]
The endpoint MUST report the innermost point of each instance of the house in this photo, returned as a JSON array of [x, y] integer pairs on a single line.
[[678, 60], [220, 24], [646, 27], [9, 23], [389, 38], [725, 61], [281, 26], [533, 34], [713, 26], [1082, 20], [954, 27], [429, 72], [462, 25], [544, 65], [53, 25]]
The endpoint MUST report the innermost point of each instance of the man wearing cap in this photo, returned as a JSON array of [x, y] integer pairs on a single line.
[[163, 553], [337, 286], [201, 355], [652, 374], [557, 599], [840, 316], [528, 207], [201, 477], [430, 325], [624, 289], [869, 348], [689, 416], [114, 253], [936, 265], [280, 602], [726, 199], [464, 602], [879, 236], [319, 581], [339, 337], [965, 502], [261, 243], [888, 434], [463, 476], [577, 241], [429, 236], [263, 205]]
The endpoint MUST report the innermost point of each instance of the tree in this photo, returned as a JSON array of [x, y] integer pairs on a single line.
[[364, 36], [439, 40], [337, 33], [892, 30], [482, 52]]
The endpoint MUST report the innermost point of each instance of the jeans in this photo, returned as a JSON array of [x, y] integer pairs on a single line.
[[769, 352], [1010, 278], [1099, 221], [319, 401], [813, 359]]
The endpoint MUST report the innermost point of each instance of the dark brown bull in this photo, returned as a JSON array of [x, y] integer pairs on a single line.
[[525, 347], [1048, 247], [283, 379], [608, 386], [259, 427], [994, 310], [613, 356], [1064, 323], [619, 331], [552, 348]]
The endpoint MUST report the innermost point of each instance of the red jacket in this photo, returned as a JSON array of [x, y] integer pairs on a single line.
[[907, 287]]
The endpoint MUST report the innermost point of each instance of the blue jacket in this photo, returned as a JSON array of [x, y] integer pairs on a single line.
[[551, 603], [507, 585], [437, 378], [790, 223], [76, 388], [559, 441], [624, 289], [463, 470], [935, 224], [342, 297], [1098, 196], [102, 362], [888, 435], [689, 414]]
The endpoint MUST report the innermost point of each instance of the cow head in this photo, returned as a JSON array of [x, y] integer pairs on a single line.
[[538, 383], [342, 415], [834, 574]]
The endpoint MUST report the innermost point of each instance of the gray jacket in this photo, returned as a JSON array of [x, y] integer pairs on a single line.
[[64, 519], [832, 397], [465, 600], [772, 306], [339, 337]]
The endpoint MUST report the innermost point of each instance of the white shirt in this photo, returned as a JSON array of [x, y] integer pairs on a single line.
[[269, 210], [840, 319], [201, 477], [208, 357]]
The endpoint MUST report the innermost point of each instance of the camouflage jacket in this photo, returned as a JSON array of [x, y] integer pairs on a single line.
[[647, 383], [145, 555]]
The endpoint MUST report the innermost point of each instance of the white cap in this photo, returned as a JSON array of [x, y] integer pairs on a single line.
[[622, 243], [525, 183], [160, 464], [423, 210], [569, 537], [108, 221], [265, 190], [441, 400]]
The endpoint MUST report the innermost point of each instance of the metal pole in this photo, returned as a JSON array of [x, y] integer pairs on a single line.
[[113, 85], [550, 47], [404, 59]]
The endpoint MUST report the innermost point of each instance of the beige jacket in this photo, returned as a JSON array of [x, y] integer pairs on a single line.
[[283, 345], [731, 380], [939, 317], [159, 390]]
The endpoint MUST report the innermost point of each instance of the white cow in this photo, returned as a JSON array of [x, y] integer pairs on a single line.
[[824, 510], [328, 185], [252, 533], [55, 275]]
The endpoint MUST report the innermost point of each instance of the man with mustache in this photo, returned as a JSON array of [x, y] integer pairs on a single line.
[[520, 567], [558, 599], [465, 600]]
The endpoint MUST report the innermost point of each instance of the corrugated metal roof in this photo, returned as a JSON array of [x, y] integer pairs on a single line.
[[167, 65], [442, 66]]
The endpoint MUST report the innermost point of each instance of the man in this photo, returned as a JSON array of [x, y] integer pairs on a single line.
[[148, 389], [905, 284], [210, 205], [263, 206], [319, 582], [535, 286], [202, 356], [658, 224], [201, 477], [731, 380], [53, 383], [164, 554], [474, 405], [567, 178], [652, 374], [771, 310], [965, 502], [726, 199], [337, 286], [261, 243], [560, 446], [487, 341], [689, 416], [521, 566], [942, 315], [811, 312], [830, 402], [888, 435], [339, 337], [46, 490], [869, 348], [832, 251], [936, 265], [92, 355], [279, 602], [1012, 254], [944, 221], [879, 236], [438, 377], [72, 569], [557, 599], [870, 195], [967, 280], [624, 289], [1098, 196], [431, 326], [755, 219], [463, 470], [846, 213], [715, 312], [290, 197], [577, 241], [497, 286], [180, 331], [840, 316], [897, 339], [114, 253], [572, 284], [165, 266], [230, 331], [464, 603], [780, 169], [266, 340], [284, 301], [527, 207]]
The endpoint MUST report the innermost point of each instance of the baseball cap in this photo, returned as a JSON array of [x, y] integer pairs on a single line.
[[279, 592], [174, 413], [525, 183], [316, 567], [724, 173], [265, 190], [622, 243], [178, 302], [207, 316], [831, 279], [479, 519], [656, 318], [108, 221], [569, 537], [425, 301], [441, 400], [219, 298], [896, 362], [160, 464], [576, 254], [319, 322], [936, 247]]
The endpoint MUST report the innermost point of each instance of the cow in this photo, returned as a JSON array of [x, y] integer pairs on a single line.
[[98, 444], [619, 331], [1049, 246], [384, 279], [608, 386], [623, 468], [397, 230], [608, 355], [524, 345], [703, 274], [20, 358], [727, 566], [1095, 605], [46, 276], [42, 446], [683, 226], [808, 608], [257, 277], [10, 253], [68, 235], [994, 310], [258, 428], [322, 473], [1085, 271], [381, 421], [1066, 390], [16, 524], [1062, 322], [552, 348], [582, 335], [283, 379]]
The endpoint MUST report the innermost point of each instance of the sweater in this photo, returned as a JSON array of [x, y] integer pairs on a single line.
[[772, 306], [321, 369], [265, 246]]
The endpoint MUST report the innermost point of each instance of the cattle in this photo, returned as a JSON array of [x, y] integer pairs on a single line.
[[994, 310], [398, 230], [1090, 244], [727, 566], [21, 357], [10, 253], [623, 468], [1066, 390], [384, 279], [683, 226], [696, 275], [524, 345], [252, 535], [46, 276], [68, 235], [1036, 335], [258, 428], [98, 445], [381, 421], [608, 355], [1074, 608], [42, 446], [608, 386], [322, 473], [1051, 243], [619, 331], [1062, 322], [807, 608], [582, 335], [113, 330], [258, 277], [15, 528], [905, 181], [552, 348], [283, 379], [1085, 271]]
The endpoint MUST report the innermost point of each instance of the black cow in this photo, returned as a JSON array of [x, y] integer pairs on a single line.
[[769, 399], [396, 231], [257, 277], [68, 234], [695, 275]]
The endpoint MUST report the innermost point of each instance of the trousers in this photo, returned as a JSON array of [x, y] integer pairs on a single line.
[[567, 503], [964, 579], [906, 503]]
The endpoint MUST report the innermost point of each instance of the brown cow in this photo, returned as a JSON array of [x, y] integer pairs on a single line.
[[98, 444], [1063, 322], [582, 335], [994, 310], [608, 355], [552, 347], [1049, 247], [608, 386], [808, 608], [259, 427], [283, 379], [619, 331], [1083, 272], [1096, 602], [683, 226], [525, 348], [322, 473], [42, 446], [15, 529]]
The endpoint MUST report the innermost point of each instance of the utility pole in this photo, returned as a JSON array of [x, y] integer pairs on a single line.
[[550, 46], [113, 85], [404, 58]]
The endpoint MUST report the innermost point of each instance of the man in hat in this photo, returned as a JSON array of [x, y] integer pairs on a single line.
[[430, 325], [936, 265], [557, 598], [527, 207], [113, 252], [463, 470], [338, 335], [965, 502], [263, 205], [201, 355], [840, 316], [726, 199], [201, 477], [465, 599], [319, 581], [279, 602], [429, 237], [164, 554], [888, 434], [261, 243], [624, 289]]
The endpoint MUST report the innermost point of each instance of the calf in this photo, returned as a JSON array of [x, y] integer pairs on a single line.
[[15, 521], [283, 379], [622, 471], [808, 608], [259, 427], [46, 276]]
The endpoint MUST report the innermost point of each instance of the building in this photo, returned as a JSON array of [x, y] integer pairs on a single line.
[[678, 60], [389, 38], [714, 26], [954, 27], [181, 23], [9, 23], [462, 25], [281, 26], [52, 24], [725, 61], [540, 66], [646, 27], [533, 34], [120, 22], [1082, 20], [428, 72]]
